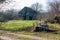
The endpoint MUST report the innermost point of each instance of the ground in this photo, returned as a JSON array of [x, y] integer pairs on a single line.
[[14, 25], [6, 35]]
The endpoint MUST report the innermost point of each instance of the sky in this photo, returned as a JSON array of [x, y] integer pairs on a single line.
[[19, 4]]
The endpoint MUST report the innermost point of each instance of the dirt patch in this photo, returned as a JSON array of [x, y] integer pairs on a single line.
[[6, 38], [27, 36], [28, 29]]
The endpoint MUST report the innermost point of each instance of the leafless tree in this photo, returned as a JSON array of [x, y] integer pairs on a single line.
[[1, 1], [38, 8], [54, 7]]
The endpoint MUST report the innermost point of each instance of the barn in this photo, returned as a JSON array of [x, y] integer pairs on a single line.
[[27, 14]]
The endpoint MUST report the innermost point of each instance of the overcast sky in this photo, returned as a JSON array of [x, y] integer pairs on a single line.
[[19, 4]]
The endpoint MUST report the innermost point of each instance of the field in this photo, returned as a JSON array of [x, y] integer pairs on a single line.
[[57, 26], [17, 24]]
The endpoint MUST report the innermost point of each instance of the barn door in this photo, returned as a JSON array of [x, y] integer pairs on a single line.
[[24, 17], [30, 17]]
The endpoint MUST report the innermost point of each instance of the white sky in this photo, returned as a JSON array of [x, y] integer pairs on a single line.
[[19, 4]]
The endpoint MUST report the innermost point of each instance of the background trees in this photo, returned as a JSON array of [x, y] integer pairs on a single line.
[[38, 8], [54, 8], [1, 1], [9, 15]]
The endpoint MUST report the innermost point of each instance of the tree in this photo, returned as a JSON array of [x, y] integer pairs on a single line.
[[38, 8], [1, 1], [54, 7], [11, 14], [4, 3]]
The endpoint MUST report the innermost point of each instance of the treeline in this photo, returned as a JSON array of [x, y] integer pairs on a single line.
[[9, 15], [53, 9]]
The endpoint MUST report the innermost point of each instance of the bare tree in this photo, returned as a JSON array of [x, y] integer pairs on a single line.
[[1, 1], [38, 8], [54, 7]]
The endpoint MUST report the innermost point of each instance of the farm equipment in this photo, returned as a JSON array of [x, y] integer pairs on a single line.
[[44, 27]]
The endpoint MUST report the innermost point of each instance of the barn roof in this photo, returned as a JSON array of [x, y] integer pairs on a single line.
[[27, 10]]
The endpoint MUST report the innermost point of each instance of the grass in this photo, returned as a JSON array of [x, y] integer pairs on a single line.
[[42, 34], [46, 34], [15, 36], [24, 38], [57, 26], [17, 24]]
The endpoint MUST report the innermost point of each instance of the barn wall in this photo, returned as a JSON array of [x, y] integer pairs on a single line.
[[21, 18]]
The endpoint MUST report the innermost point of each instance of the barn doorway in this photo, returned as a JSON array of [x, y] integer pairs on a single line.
[[27, 17], [24, 17], [30, 18]]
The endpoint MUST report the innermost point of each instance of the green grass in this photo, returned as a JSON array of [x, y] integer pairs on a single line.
[[57, 26], [46, 34], [17, 24]]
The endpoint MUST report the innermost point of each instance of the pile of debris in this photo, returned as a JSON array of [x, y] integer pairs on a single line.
[[44, 27], [56, 19]]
